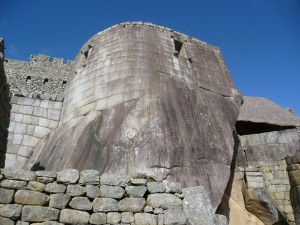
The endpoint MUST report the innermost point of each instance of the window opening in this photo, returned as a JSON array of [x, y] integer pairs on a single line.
[[178, 47], [28, 78], [46, 80], [64, 82]]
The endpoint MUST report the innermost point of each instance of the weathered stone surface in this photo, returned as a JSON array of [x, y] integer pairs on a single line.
[[22, 223], [113, 217], [144, 101], [55, 188], [13, 184], [145, 219], [98, 218], [158, 211], [70, 176], [92, 191], [295, 199], [39, 214], [136, 191], [89, 177], [18, 174], [71, 216], [174, 216], [111, 192], [44, 173], [36, 186], [165, 201], [12, 211], [138, 181], [156, 187], [105, 205], [172, 187], [197, 206], [132, 204], [260, 204], [75, 190], [127, 217], [221, 220], [6, 221], [25, 197], [114, 179], [148, 209], [6, 196], [81, 203], [59, 201]]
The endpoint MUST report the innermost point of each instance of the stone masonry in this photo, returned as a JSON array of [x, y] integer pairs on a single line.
[[30, 121], [4, 107], [70, 197], [39, 78]]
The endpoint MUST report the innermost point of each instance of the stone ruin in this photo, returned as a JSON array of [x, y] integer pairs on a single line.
[[144, 100]]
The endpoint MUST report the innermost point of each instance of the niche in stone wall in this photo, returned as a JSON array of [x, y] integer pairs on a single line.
[[179, 49], [64, 83], [28, 78], [46, 80]]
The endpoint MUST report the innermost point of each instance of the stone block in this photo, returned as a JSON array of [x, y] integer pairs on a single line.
[[43, 122], [17, 139], [6, 221], [175, 187], [132, 204], [6, 196], [105, 205], [25, 151], [37, 111], [25, 109], [113, 217], [25, 197], [30, 130], [158, 211], [55, 188], [145, 219], [156, 187], [136, 191], [36, 186], [53, 124], [114, 180], [59, 201], [253, 185], [81, 203], [165, 201], [138, 181], [18, 118], [44, 173], [98, 218], [25, 101], [71, 216], [53, 114], [197, 206], [20, 128], [22, 223], [75, 190], [92, 191], [174, 216], [127, 217], [70, 176], [89, 177], [39, 214], [30, 141], [115, 192], [45, 180], [12, 211], [30, 120], [18, 174], [12, 148], [13, 184]]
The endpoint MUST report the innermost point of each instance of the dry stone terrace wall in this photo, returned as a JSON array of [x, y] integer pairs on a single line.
[[70, 197], [30, 121], [4, 107], [39, 78]]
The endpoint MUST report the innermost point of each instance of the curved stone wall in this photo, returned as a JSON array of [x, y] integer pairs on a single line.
[[123, 62]]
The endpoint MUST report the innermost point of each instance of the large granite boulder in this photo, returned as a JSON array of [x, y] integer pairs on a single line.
[[146, 99]]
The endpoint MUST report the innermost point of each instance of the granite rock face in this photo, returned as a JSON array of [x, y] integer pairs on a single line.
[[151, 101]]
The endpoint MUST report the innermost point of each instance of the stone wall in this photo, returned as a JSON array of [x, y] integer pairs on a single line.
[[39, 78], [4, 107], [266, 153], [70, 197], [294, 176], [30, 121]]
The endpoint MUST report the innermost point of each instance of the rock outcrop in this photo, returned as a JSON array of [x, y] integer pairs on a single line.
[[143, 98]]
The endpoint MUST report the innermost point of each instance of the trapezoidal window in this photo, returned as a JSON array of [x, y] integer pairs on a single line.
[[28, 78], [64, 83], [179, 48]]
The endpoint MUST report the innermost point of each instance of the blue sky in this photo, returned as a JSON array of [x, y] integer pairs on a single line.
[[259, 39]]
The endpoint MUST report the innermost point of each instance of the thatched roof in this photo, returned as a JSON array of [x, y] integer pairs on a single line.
[[261, 110]]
